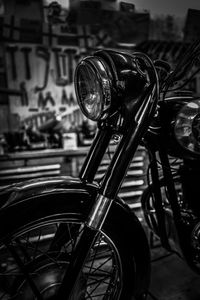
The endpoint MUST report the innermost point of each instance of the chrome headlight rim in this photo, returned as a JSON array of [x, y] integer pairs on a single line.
[[104, 78]]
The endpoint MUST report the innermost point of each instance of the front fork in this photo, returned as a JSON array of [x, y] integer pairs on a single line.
[[89, 234], [107, 193], [109, 188], [91, 229]]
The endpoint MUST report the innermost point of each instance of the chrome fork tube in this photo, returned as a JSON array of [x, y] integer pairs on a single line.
[[88, 236], [99, 212]]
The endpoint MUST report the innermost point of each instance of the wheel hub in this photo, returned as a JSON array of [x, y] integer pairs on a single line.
[[47, 276]]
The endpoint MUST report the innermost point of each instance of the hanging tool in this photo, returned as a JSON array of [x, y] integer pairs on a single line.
[[70, 53], [24, 96], [41, 102], [50, 98], [12, 50], [59, 80], [26, 51], [64, 98], [43, 52], [71, 99], [64, 65], [10, 92]]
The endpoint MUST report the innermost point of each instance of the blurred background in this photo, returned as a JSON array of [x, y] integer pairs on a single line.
[[42, 41], [42, 130]]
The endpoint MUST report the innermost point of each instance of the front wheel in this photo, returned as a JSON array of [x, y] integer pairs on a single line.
[[36, 252]]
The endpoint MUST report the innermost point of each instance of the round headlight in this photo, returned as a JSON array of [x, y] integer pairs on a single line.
[[187, 126], [93, 88]]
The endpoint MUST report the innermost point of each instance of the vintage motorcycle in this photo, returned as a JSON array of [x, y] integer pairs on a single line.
[[74, 238]]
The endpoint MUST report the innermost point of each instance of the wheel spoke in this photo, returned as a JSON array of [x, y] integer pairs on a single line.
[[37, 257], [25, 272]]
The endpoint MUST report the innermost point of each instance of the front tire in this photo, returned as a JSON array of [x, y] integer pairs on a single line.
[[36, 246]]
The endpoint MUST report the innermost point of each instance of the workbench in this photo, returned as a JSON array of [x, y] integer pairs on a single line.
[[17, 166]]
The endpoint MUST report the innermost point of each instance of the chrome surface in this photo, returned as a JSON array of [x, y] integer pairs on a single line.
[[99, 212], [102, 77]]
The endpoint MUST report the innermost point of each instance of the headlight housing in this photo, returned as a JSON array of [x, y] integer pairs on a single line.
[[93, 88], [187, 126]]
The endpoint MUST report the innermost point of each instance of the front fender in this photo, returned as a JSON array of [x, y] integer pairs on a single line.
[[34, 188], [45, 191], [27, 202]]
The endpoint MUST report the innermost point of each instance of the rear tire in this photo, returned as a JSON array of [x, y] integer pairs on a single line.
[[118, 266]]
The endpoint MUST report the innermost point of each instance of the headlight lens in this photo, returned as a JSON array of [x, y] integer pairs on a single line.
[[187, 126], [93, 88]]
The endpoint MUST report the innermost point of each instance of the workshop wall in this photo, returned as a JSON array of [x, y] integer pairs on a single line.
[[37, 63], [44, 76], [39, 76], [41, 51]]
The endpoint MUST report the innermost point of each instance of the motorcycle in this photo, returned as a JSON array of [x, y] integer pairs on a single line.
[[74, 238]]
